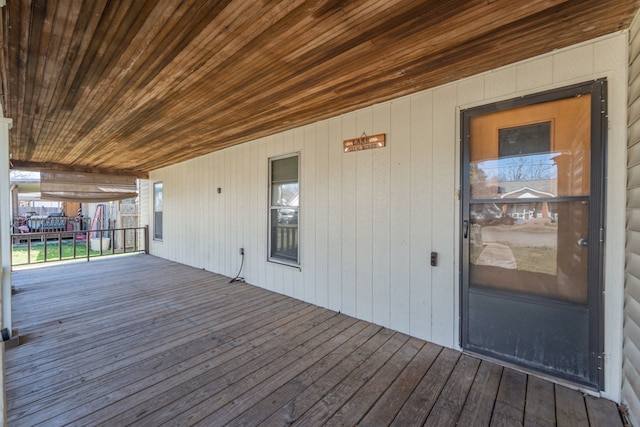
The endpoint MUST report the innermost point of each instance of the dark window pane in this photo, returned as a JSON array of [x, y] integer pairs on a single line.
[[524, 140], [157, 225], [284, 234], [284, 170], [157, 210]]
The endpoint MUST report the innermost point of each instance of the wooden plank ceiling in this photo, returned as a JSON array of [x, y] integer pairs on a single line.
[[120, 86]]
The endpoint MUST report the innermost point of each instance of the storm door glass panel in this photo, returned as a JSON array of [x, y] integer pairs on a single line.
[[528, 208], [526, 244]]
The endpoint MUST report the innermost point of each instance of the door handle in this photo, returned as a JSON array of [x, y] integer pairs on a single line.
[[465, 228], [583, 243]]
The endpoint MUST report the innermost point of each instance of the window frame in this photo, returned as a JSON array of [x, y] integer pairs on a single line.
[[272, 208], [158, 236]]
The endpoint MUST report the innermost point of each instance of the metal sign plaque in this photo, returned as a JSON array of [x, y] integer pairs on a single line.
[[364, 143]]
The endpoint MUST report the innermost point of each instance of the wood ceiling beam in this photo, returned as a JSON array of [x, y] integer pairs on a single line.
[[37, 166]]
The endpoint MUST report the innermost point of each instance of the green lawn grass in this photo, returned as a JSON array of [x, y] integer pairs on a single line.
[[537, 259], [20, 255]]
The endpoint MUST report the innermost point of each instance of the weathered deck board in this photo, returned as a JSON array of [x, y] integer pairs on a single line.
[[419, 404], [143, 341], [540, 405], [358, 406], [570, 408], [478, 408], [390, 403], [509, 407]]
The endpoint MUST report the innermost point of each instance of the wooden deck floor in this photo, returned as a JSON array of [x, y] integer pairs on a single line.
[[143, 341]]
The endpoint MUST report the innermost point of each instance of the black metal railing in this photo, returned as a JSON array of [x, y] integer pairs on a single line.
[[41, 247]]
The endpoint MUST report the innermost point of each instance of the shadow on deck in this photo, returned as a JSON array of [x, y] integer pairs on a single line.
[[141, 340]]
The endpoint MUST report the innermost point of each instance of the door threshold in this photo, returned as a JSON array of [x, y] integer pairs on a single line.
[[548, 377]]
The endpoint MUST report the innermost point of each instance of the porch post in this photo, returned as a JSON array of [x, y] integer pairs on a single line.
[[5, 225], [5, 250]]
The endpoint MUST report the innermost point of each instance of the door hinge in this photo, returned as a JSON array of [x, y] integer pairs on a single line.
[[602, 235], [601, 361]]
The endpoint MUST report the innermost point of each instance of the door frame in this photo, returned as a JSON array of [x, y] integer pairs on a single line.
[[597, 220]]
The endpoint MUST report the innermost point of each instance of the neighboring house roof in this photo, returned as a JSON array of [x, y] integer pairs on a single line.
[[544, 187], [527, 193]]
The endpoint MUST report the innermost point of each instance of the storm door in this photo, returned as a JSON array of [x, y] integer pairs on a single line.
[[532, 231]]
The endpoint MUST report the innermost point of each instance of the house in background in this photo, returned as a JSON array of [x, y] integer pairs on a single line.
[[376, 203]]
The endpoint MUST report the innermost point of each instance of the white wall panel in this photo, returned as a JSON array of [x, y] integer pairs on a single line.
[[334, 215], [444, 216], [609, 54], [369, 220], [349, 218], [534, 74], [322, 194], [308, 220], [364, 220], [570, 64], [201, 205], [631, 353], [400, 202], [471, 90], [500, 83], [252, 259], [381, 210], [262, 212], [217, 220], [421, 212]]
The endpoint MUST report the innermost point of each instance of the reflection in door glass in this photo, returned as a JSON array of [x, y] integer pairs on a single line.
[[530, 247]]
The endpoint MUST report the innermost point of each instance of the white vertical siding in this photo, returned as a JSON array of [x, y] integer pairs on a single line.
[[631, 348], [400, 214], [308, 174], [381, 211], [369, 220], [334, 215], [421, 213], [444, 216], [349, 219], [322, 195], [364, 224]]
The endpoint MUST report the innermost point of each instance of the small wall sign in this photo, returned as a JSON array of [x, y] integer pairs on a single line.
[[364, 143]]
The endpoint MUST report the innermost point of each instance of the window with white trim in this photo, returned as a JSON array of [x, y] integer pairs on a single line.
[[284, 209]]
